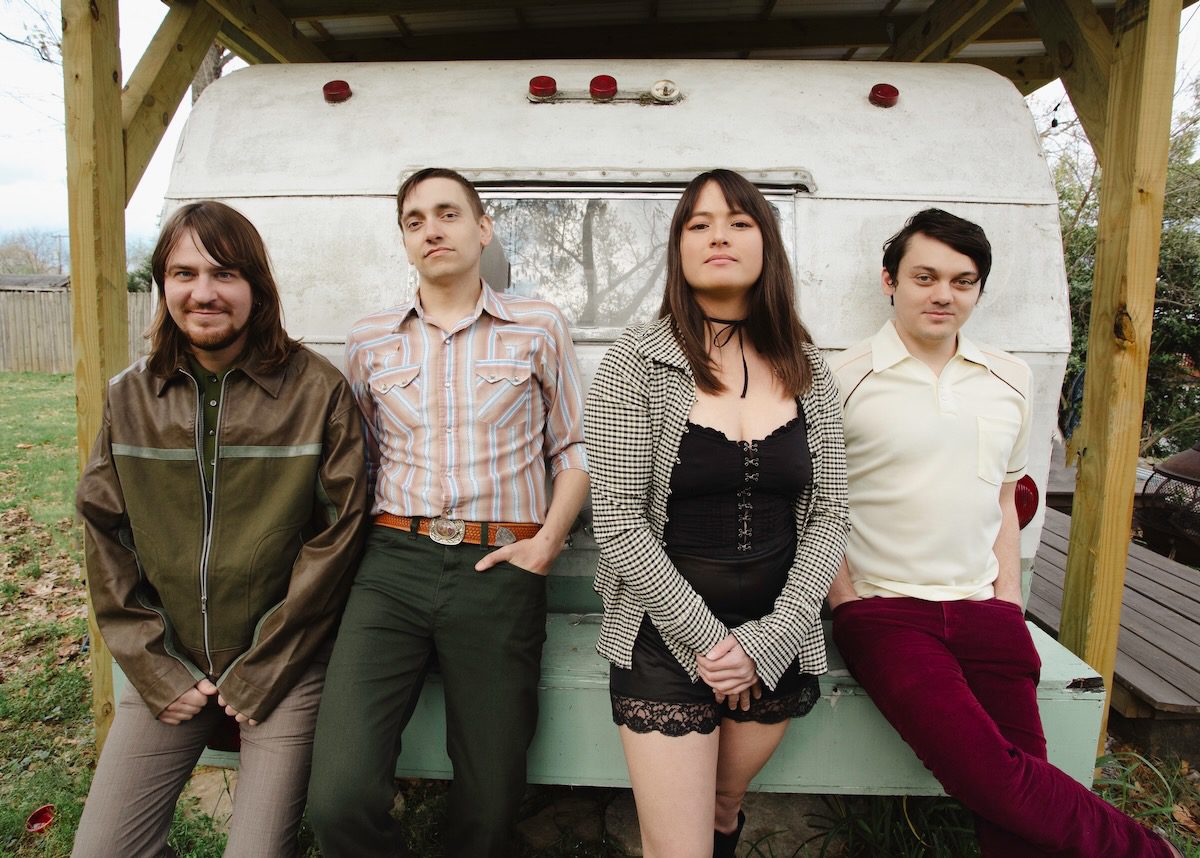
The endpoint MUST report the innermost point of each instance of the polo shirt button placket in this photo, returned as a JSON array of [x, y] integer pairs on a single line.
[[945, 397]]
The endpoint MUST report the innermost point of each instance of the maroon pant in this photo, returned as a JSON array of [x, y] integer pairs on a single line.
[[958, 681]]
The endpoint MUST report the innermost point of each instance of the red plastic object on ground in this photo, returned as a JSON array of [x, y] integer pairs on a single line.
[[40, 819]]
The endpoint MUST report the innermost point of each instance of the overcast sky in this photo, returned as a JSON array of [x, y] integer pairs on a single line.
[[33, 188], [33, 180]]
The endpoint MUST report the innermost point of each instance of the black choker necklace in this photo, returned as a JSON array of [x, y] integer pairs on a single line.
[[721, 338]]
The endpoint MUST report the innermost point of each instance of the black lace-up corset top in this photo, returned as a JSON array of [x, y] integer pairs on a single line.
[[734, 498]]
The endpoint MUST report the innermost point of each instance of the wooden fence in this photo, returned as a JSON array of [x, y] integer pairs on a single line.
[[35, 329]]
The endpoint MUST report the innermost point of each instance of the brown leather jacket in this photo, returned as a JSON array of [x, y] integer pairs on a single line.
[[245, 593]]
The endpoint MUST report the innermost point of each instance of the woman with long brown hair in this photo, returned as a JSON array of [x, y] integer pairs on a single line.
[[719, 501]]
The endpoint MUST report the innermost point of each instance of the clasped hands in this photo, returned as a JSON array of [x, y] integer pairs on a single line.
[[730, 673], [188, 705]]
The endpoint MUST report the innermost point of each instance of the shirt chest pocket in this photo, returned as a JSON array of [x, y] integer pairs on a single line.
[[398, 390], [997, 435], [503, 392]]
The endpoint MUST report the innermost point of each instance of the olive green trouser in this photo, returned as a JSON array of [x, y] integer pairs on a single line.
[[413, 600]]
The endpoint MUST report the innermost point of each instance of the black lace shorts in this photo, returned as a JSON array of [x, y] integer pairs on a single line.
[[657, 695]]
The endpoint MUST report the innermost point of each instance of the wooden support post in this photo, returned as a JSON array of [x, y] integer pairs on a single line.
[[160, 80], [96, 213], [1081, 47], [1137, 132]]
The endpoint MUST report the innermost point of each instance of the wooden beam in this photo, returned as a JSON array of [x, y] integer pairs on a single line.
[[643, 39], [298, 10], [1026, 73], [650, 38], [323, 9], [322, 33], [270, 30], [936, 24], [239, 43], [160, 80], [1081, 47], [400, 26], [972, 29], [1138, 128], [96, 217]]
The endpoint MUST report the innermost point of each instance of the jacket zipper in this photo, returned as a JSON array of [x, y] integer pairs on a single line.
[[199, 424], [211, 521]]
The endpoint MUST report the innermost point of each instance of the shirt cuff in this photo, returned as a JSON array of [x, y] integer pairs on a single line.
[[573, 456]]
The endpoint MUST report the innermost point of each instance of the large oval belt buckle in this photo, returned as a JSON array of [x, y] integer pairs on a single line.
[[447, 531]]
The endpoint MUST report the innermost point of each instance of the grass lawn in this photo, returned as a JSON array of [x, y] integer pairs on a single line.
[[46, 750]]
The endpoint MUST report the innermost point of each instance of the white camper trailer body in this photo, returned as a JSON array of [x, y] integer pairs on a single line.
[[582, 194], [319, 180]]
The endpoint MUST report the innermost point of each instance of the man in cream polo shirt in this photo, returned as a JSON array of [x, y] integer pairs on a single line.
[[927, 605]]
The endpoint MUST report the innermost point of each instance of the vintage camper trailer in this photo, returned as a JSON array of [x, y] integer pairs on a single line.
[[580, 163]]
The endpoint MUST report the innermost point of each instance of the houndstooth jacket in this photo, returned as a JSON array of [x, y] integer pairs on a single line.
[[635, 416]]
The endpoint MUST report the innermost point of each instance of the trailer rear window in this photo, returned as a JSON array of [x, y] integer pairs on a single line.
[[599, 256]]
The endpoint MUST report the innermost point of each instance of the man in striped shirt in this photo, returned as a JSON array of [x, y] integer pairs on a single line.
[[467, 396]]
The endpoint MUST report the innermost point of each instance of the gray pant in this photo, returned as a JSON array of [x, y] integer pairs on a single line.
[[146, 763]]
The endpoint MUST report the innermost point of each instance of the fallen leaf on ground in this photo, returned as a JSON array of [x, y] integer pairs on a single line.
[[1184, 817]]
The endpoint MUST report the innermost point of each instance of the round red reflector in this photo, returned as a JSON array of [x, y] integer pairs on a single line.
[[40, 819], [542, 86], [603, 87], [1026, 500], [336, 91], [884, 95]]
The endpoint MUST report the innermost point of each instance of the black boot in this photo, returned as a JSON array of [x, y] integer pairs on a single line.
[[725, 845]]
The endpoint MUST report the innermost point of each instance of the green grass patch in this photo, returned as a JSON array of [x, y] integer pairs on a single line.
[[194, 834], [38, 444], [38, 467], [895, 826], [1161, 794], [46, 733]]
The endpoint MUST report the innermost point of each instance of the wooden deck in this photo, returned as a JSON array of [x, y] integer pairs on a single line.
[[1158, 648]]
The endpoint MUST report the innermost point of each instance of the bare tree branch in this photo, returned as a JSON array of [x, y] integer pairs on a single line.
[[42, 36]]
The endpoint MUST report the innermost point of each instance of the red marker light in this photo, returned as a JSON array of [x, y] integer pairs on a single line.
[[1026, 500], [542, 86], [336, 91], [884, 95], [603, 87]]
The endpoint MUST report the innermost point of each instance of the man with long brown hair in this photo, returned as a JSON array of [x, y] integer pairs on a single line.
[[224, 505]]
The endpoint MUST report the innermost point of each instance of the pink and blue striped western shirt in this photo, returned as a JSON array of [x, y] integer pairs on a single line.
[[463, 424]]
